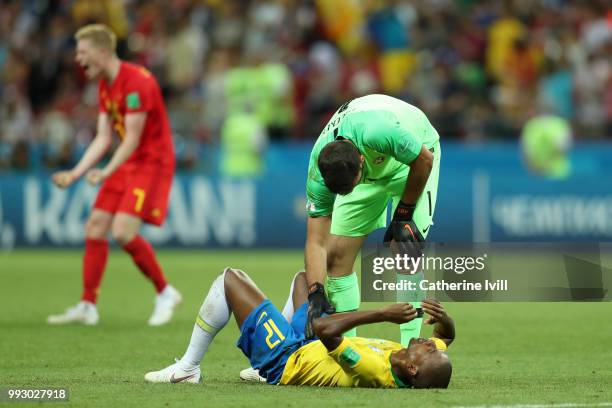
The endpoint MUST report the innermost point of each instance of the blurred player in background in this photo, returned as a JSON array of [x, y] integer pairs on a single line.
[[375, 149], [546, 141], [276, 345], [136, 181]]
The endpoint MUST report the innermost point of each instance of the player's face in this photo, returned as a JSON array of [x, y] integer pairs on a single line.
[[419, 350], [429, 362], [90, 58]]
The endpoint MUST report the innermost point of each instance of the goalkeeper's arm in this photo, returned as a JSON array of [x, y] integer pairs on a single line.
[[315, 254], [420, 168]]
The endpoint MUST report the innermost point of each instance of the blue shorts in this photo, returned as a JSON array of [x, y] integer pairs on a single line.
[[268, 339]]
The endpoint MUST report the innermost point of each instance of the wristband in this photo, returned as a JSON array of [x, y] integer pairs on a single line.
[[404, 212], [316, 288]]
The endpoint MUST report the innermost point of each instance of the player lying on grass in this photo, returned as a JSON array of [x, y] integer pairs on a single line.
[[282, 354]]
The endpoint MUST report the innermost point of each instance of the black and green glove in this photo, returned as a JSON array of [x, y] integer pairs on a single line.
[[402, 229], [318, 305]]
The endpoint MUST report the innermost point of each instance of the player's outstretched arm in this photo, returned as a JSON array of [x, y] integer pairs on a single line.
[[402, 228], [315, 260], [92, 155], [315, 251], [420, 168], [444, 328], [329, 329], [134, 124]]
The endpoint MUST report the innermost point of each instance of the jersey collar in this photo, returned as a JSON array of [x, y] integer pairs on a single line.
[[398, 382]]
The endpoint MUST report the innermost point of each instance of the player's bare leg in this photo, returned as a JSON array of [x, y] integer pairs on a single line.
[[298, 295], [242, 294], [342, 284], [98, 224], [232, 291], [125, 230], [94, 261], [298, 290]]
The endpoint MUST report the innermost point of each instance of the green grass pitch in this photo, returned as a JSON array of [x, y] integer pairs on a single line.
[[505, 353]]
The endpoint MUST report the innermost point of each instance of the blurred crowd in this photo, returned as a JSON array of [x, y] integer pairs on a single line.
[[479, 69]]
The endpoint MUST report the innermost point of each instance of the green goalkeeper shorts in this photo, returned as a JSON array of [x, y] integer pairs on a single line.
[[365, 208]]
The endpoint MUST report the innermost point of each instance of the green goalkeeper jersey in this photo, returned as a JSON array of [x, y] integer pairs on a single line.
[[389, 134]]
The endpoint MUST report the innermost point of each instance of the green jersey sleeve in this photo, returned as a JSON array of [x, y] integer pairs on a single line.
[[382, 132]]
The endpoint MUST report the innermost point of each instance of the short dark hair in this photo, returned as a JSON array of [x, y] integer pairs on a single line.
[[339, 163]]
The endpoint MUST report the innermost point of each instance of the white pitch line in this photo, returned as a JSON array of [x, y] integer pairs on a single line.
[[562, 405]]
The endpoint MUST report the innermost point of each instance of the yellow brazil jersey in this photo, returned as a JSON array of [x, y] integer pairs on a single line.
[[357, 362]]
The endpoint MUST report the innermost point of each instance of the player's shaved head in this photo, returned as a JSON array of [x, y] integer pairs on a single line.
[[434, 372], [422, 365], [340, 166]]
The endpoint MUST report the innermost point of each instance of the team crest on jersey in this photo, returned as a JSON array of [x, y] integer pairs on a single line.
[[379, 159], [350, 357], [132, 100]]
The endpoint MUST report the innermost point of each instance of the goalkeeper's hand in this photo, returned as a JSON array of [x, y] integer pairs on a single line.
[[318, 304], [403, 231]]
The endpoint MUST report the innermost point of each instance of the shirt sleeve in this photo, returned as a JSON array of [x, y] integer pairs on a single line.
[[383, 133], [440, 344], [138, 95], [102, 99], [320, 201], [360, 362]]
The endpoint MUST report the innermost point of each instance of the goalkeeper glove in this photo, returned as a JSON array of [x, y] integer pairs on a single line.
[[318, 304], [402, 228]]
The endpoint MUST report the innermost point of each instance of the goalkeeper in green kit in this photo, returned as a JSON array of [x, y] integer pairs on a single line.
[[375, 149]]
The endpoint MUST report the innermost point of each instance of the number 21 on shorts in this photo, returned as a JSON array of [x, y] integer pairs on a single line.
[[273, 330], [140, 197]]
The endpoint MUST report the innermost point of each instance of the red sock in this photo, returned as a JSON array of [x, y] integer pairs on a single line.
[[144, 257], [94, 261]]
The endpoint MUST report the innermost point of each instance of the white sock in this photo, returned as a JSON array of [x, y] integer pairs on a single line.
[[289, 310], [212, 317], [167, 291]]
